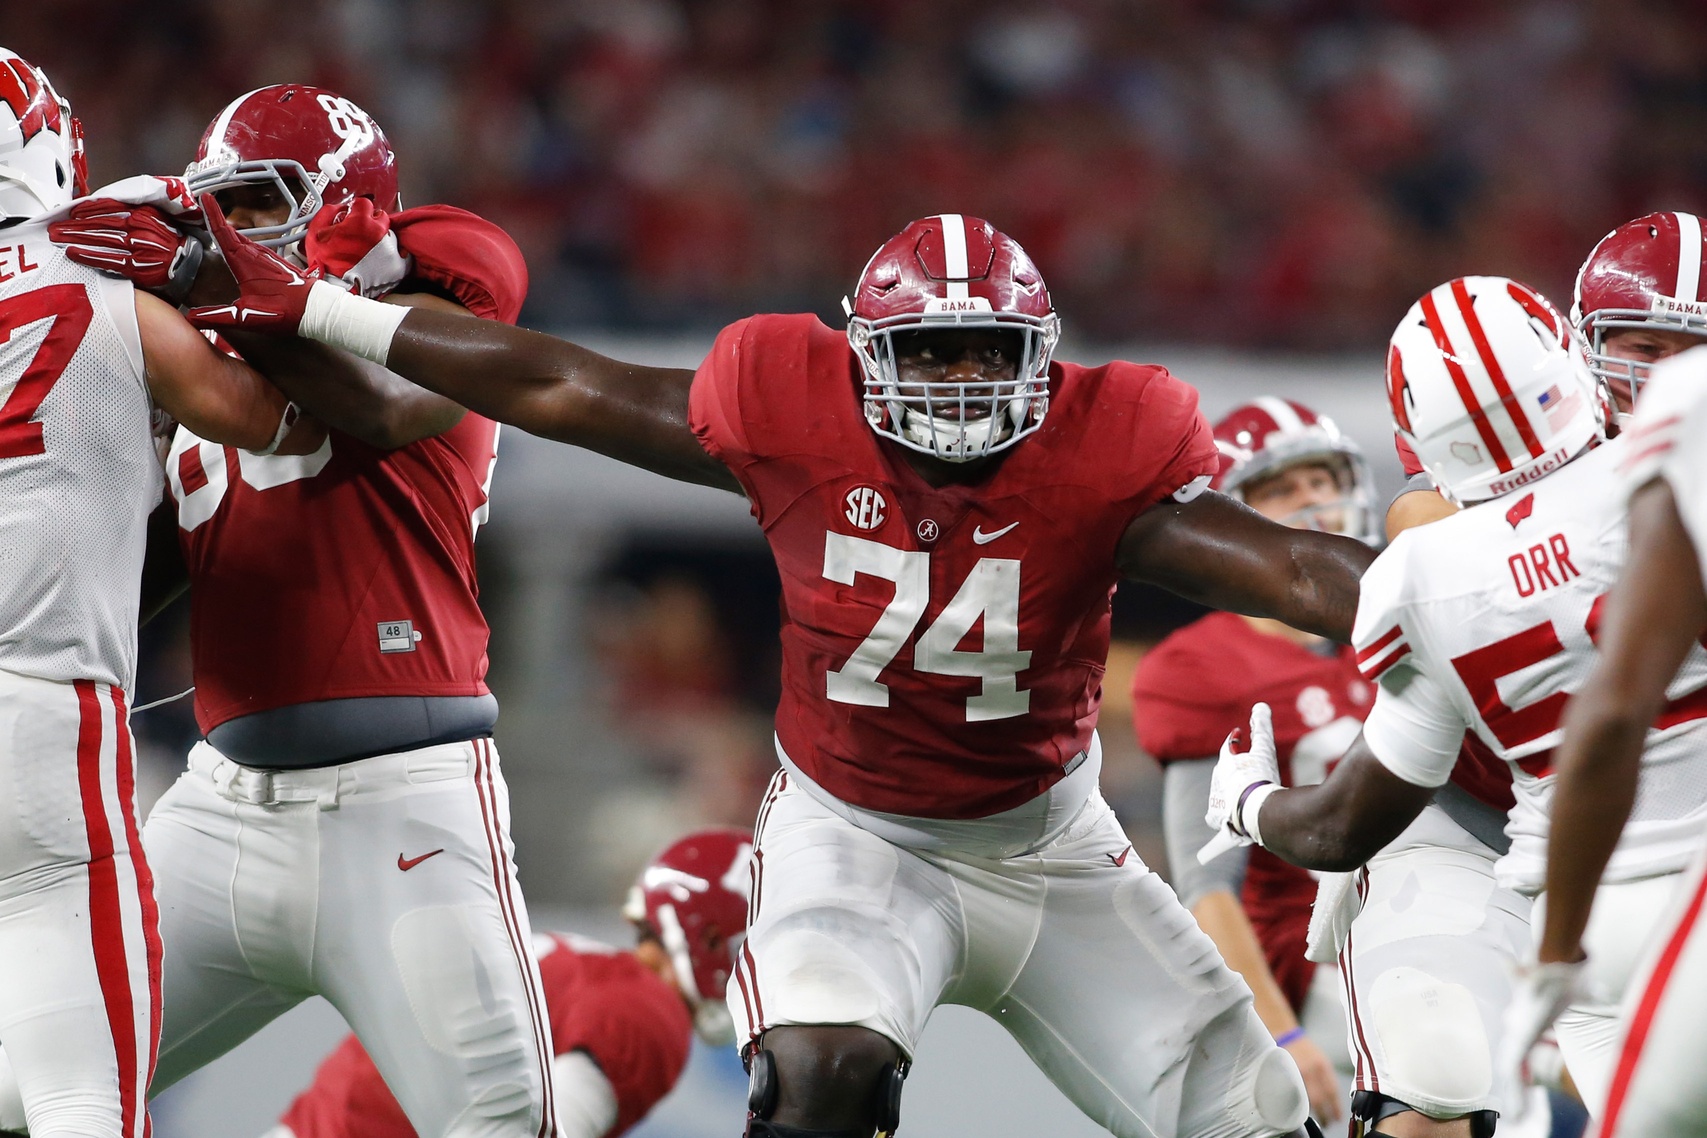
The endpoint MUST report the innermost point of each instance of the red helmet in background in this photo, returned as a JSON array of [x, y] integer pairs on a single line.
[[693, 898], [1269, 435], [314, 145], [41, 142], [952, 272], [1647, 273]]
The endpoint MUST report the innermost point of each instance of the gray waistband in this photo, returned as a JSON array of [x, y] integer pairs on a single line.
[[338, 730], [1483, 822]]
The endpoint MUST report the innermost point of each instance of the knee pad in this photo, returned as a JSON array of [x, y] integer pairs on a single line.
[[1277, 1094], [763, 1088], [1368, 1108]]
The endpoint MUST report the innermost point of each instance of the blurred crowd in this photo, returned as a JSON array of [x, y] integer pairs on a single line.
[[1285, 173]]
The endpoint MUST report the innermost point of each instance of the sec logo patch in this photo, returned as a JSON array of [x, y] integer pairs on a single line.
[[866, 507]]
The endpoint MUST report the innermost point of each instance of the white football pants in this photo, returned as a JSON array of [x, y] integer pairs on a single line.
[[386, 885], [1428, 967], [1080, 952], [79, 943], [1656, 1085]]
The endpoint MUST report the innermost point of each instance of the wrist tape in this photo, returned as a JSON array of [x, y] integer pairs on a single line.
[[353, 323], [1251, 806]]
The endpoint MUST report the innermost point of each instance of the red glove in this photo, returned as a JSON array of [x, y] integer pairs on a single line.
[[272, 293], [340, 237], [134, 241]]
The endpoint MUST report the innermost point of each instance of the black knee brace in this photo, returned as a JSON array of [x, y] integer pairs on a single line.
[[1368, 1108], [763, 1088]]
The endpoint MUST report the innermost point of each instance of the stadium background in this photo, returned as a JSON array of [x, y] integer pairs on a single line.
[[1249, 191]]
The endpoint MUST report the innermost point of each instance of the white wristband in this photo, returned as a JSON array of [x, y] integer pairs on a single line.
[[351, 322], [1252, 807], [286, 421]]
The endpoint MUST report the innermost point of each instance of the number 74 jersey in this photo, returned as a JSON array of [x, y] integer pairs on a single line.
[[1487, 620], [943, 647]]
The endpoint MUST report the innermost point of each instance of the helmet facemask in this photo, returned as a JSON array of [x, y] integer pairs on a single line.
[[1625, 377], [215, 173], [953, 420]]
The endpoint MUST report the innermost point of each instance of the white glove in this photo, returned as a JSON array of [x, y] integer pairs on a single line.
[[1542, 991], [1242, 781]]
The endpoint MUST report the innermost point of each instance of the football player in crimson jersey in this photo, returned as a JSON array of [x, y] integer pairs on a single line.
[[1486, 620], [1290, 464], [1641, 297], [1655, 617], [90, 370], [343, 830], [949, 509], [620, 1021]]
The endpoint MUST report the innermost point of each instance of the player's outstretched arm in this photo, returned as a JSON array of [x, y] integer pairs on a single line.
[[1224, 554], [359, 398], [1345, 819], [219, 398], [543, 385], [1653, 615]]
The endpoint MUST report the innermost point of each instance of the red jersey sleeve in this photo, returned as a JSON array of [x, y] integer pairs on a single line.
[[1169, 415], [1407, 457], [633, 1024], [1182, 704], [467, 256], [715, 405]]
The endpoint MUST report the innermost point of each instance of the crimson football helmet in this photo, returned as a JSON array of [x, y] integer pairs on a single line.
[[315, 146], [1490, 385], [693, 898], [944, 272], [41, 142], [1269, 435], [1647, 273]]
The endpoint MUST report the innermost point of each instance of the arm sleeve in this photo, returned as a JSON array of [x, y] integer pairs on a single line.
[[586, 1101], [1185, 799], [714, 405], [1413, 729]]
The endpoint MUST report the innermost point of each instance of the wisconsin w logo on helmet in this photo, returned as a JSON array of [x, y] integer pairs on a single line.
[[31, 105], [41, 142]]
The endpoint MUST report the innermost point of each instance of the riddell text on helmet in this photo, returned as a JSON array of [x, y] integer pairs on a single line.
[[1530, 474]]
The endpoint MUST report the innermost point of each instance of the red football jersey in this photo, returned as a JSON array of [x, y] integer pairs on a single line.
[[348, 572], [943, 648], [601, 1001], [1196, 686]]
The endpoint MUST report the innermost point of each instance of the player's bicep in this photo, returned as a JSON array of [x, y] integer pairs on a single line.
[[220, 398]]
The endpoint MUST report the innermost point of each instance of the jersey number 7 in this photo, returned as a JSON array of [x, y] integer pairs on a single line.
[[67, 307], [990, 591]]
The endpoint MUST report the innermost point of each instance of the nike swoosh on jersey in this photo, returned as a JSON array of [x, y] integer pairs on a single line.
[[1121, 860], [982, 538], [408, 863]]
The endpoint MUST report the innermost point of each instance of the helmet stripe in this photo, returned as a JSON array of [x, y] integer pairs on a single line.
[[954, 253], [1460, 381], [1688, 256], [216, 137], [1490, 361], [1285, 418]]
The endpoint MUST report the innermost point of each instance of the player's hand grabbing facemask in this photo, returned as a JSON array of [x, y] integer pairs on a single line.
[[137, 242], [354, 243], [1541, 993], [272, 293], [1242, 780]]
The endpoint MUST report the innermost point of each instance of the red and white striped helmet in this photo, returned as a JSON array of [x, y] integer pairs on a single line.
[[313, 145], [1490, 385], [41, 142], [693, 898], [944, 272], [1647, 273], [1269, 435]]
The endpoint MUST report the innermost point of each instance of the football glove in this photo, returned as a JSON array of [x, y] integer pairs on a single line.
[[136, 242], [272, 293], [1541, 993], [1242, 780], [353, 244]]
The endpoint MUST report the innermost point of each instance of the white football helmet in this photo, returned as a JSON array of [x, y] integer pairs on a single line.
[[1490, 385], [41, 142]]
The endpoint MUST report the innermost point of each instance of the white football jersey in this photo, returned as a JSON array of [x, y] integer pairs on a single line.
[[79, 472], [1674, 411], [1486, 620]]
